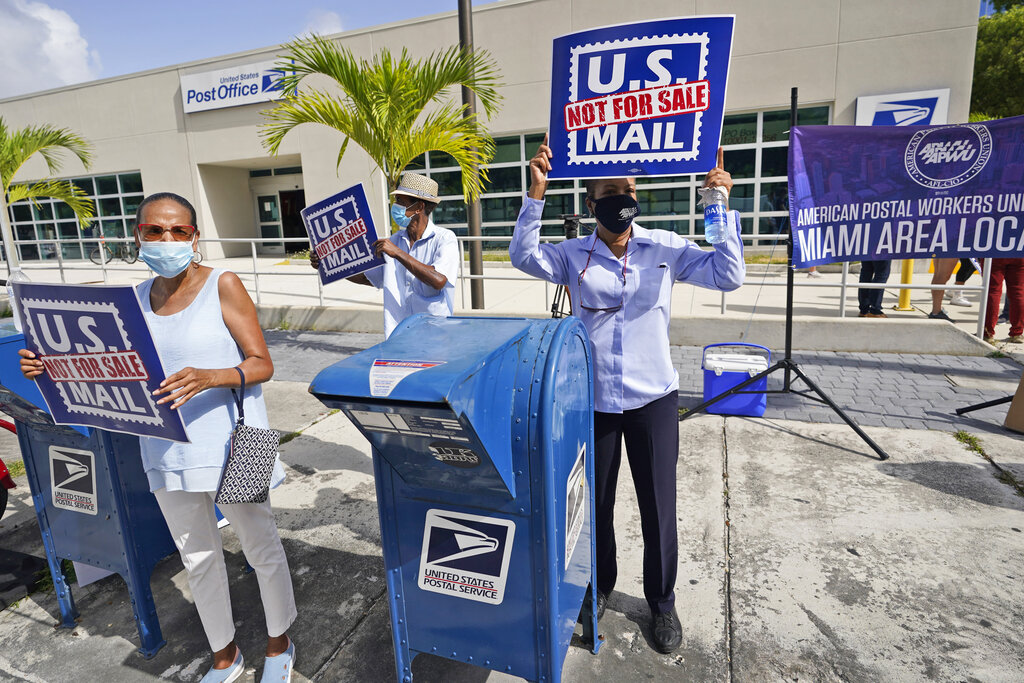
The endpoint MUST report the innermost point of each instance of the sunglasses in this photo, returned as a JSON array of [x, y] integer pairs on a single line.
[[583, 293], [151, 232]]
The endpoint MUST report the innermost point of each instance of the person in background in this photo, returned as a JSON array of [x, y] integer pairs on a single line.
[[943, 269], [620, 281], [421, 261], [870, 300], [204, 326], [965, 271], [1012, 271]]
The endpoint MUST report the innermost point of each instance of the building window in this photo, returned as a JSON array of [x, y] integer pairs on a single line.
[[756, 150], [115, 197]]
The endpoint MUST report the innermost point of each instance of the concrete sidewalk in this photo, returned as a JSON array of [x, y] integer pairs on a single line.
[[802, 558]]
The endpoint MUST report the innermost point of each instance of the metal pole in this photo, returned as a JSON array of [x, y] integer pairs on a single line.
[[473, 215], [255, 273], [10, 251], [986, 272], [789, 262], [842, 290], [906, 278]]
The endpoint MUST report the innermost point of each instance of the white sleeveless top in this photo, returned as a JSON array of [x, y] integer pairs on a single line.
[[198, 337]]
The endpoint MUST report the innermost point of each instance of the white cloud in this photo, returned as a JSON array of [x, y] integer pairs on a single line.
[[41, 48], [323, 21]]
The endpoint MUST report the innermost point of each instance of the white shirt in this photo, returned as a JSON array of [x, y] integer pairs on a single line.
[[197, 336], [404, 293], [630, 345]]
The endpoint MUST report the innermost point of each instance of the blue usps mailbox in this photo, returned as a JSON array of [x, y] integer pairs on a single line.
[[482, 434], [91, 497]]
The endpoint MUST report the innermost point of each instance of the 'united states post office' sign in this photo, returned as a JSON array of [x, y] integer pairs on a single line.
[[231, 87], [639, 99]]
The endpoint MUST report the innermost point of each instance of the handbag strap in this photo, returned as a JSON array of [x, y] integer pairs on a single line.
[[240, 396]]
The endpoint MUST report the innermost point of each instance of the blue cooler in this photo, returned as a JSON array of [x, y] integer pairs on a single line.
[[723, 371]]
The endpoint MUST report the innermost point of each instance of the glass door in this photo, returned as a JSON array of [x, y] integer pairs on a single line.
[[269, 212]]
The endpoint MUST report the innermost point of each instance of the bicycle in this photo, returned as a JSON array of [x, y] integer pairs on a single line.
[[103, 253]]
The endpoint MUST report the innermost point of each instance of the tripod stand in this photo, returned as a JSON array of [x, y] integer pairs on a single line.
[[786, 364]]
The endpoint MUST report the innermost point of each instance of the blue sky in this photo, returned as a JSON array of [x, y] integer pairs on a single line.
[[49, 43]]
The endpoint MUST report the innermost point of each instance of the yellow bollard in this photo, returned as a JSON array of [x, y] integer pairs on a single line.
[[906, 277]]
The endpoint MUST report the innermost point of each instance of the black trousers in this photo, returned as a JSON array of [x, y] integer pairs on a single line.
[[875, 272], [651, 433]]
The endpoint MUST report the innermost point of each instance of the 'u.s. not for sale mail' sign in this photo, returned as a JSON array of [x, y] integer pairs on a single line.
[[342, 234], [639, 99], [101, 364]]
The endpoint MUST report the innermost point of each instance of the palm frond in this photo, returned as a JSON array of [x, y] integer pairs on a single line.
[[394, 107], [52, 143], [66, 192]]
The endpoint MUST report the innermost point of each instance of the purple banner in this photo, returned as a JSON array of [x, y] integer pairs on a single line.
[[862, 193]]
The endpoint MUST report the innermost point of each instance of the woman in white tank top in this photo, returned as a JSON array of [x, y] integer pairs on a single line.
[[204, 325]]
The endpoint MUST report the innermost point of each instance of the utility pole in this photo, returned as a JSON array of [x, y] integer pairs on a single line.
[[476, 260]]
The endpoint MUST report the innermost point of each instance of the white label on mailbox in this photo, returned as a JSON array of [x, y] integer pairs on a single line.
[[575, 498], [386, 374], [466, 556], [73, 479]]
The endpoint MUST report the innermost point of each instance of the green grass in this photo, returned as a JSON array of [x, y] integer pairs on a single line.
[[44, 580], [973, 444], [996, 354], [16, 468], [285, 438], [765, 259], [284, 325]]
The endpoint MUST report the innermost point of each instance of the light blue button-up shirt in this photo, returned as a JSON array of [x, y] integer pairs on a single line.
[[629, 339], [404, 293]]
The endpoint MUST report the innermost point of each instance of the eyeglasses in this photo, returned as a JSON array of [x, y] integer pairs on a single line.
[[622, 294], [151, 232]]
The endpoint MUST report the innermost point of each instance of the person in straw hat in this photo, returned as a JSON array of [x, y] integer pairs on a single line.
[[421, 261]]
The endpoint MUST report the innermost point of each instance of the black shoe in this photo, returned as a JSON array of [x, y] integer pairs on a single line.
[[667, 632], [941, 315]]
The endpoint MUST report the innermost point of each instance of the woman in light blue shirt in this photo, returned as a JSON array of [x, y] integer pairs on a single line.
[[620, 282]]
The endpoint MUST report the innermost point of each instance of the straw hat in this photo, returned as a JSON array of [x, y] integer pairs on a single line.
[[419, 187]]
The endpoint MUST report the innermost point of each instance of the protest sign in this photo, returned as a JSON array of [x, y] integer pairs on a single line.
[[859, 193], [341, 233], [101, 364], [639, 99]]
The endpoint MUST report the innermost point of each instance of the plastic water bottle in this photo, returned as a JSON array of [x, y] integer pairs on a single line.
[[716, 224], [15, 276]]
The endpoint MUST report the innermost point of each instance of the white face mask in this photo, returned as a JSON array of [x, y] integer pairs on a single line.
[[167, 259]]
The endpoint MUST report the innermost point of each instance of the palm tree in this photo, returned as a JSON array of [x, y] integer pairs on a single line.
[[18, 146], [381, 105]]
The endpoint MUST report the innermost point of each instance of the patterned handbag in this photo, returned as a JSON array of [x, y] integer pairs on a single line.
[[251, 457]]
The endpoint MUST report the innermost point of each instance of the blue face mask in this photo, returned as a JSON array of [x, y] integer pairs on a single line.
[[167, 259], [399, 217]]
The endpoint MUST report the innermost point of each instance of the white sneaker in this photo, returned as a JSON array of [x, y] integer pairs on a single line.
[[958, 299], [813, 273]]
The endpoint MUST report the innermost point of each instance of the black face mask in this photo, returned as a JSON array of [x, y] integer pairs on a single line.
[[616, 213]]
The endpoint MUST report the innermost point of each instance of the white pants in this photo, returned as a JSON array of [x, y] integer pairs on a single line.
[[193, 525]]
